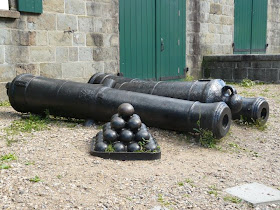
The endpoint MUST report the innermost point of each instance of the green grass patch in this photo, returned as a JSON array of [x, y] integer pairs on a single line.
[[5, 103], [4, 166], [232, 199], [35, 179], [247, 83], [8, 157], [162, 201]]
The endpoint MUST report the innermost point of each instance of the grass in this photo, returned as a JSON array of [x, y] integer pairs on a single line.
[[258, 124], [162, 201], [213, 190], [189, 78], [8, 157], [35, 179], [110, 148], [247, 83], [4, 166], [232, 199], [190, 182], [5, 103], [29, 163]]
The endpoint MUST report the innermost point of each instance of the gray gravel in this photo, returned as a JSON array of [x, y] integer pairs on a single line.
[[187, 177]]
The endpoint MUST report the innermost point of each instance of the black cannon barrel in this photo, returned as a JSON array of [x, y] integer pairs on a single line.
[[253, 109], [205, 91], [28, 93]]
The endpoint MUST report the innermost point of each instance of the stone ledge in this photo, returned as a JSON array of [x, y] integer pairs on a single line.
[[238, 58], [9, 14]]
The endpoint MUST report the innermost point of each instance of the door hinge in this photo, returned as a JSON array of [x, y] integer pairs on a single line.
[[178, 70], [179, 13], [179, 42]]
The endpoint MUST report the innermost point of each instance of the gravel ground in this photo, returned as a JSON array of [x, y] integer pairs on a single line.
[[187, 177]]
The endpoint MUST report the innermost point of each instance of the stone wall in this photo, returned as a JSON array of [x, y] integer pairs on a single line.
[[273, 27], [210, 25], [235, 68], [72, 39]]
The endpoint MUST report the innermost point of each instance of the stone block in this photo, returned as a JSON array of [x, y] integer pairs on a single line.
[[89, 24], [110, 26], [110, 53], [2, 53], [75, 7], [3, 92], [51, 70], [256, 74], [222, 73], [9, 14], [67, 22], [45, 21], [79, 39], [240, 73], [85, 54], [95, 39], [215, 9], [62, 54], [41, 38], [23, 38], [7, 73], [5, 37], [42, 54], [276, 64], [93, 68], [244, 64], [94, 9], [272, 75], [73, 54], [27, 69], [53, 6], [111, 67], [19, 24], [60, 38], [229, 64], [261, 64], [73, 70], [16, 54]]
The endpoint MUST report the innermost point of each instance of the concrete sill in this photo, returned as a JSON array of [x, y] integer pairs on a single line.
[[9, 14]]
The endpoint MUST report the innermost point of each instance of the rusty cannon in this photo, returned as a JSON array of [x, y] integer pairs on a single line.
[[205, 91], [28, 93]]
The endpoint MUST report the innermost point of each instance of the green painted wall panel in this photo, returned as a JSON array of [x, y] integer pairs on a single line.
[[259, 26], [250, 26], [33, 6]]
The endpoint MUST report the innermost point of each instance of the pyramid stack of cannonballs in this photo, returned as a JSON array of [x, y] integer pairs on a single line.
[[125, 133]]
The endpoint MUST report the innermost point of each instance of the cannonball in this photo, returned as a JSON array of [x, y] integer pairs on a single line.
[[151, 146], [143, 127], [99, 137], [142, 135], [115, 115], [117, 123], [107, 126], [133, 147], [100, 147], [119, 147], [136, 115], [126, 136], [134, 123], [110, 135], [126, 110]]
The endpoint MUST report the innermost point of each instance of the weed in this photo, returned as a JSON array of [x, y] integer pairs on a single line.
[[59, 176], [31, 123], [35, 179], [8, 157], [213, 190], [5, 166], [258, 124], [110, 148], [190, 182], [181, 184], [232, 199], [189, 78], [5, 103], [247, 83], [29, 163], [162, 201]]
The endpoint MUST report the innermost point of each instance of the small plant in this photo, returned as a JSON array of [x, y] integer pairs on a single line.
[[189, 78], [213, 190], [232, 199], [190, 182], [5, 103], [3, 166], [110, 148], [8, 157], [247, 83], [59, 176], [258, 124], [162, 201], [181, 184], [29, 163], [35, 179]]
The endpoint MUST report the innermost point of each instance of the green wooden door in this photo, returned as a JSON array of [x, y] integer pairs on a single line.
[[152, 38], [250, 26]]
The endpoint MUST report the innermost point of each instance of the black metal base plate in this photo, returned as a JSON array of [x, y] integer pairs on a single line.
[[125, 155]]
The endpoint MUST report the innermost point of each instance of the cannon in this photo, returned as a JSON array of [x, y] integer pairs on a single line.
[[28, 93], [205, 91]]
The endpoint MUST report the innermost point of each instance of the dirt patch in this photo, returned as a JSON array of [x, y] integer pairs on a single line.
[[54, 170]]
